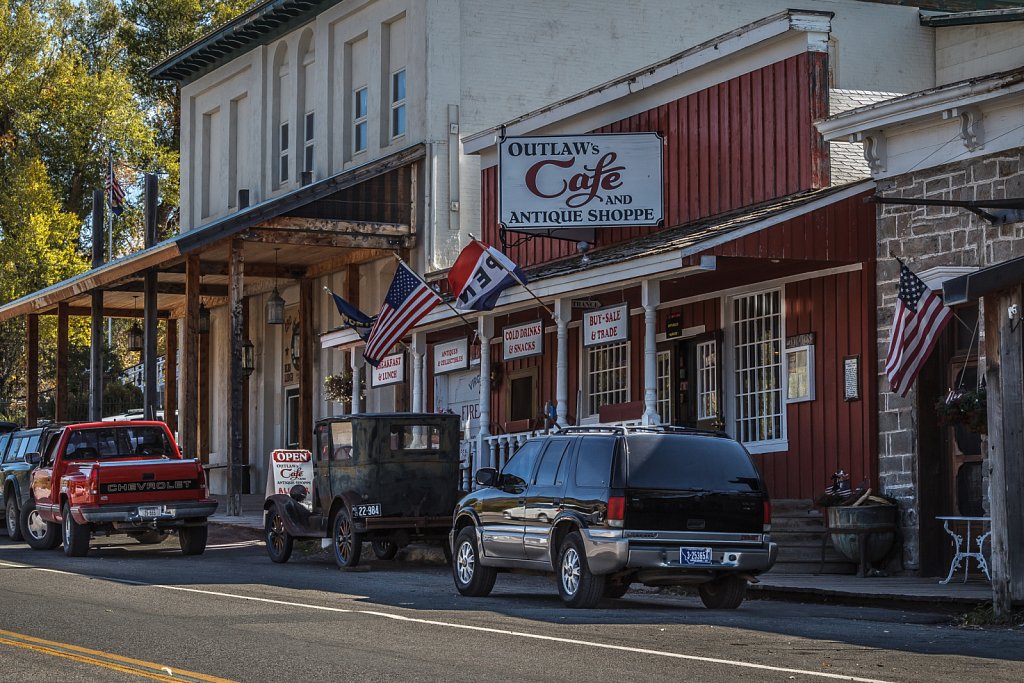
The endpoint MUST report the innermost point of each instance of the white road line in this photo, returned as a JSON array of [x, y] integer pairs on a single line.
[[468, 627]]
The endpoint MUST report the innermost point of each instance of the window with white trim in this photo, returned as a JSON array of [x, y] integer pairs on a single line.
[[398, 103], [282, 175], [307, 156], [359, 111], [607, 376], [757, 338], [707, 380], [664, 384]]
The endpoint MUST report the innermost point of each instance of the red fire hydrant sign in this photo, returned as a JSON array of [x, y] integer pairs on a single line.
[[288, 468]]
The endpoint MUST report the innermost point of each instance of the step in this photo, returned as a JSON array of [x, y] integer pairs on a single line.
[[813, 567]]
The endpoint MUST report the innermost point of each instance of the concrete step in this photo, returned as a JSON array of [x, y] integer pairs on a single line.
[[812, 568]]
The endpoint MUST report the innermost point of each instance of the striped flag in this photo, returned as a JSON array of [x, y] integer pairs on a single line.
[[115, 195], [479, 276], [920, 318], [409, 299]]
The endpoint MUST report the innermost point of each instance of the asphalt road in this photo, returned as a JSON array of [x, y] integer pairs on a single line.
[[129, 612]]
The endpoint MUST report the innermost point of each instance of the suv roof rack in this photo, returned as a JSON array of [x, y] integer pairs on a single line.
[[628, 429]]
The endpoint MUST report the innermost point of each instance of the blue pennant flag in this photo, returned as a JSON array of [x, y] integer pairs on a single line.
[[352, 316]]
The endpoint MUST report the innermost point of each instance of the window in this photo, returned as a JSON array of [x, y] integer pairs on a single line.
[[4, 438], [607, 376], [398, 103], [549, 464], [307, 157], [359, 102], [518, 469], [800, 374], [341, 440], [664, 385], [283, 167], [757, 329], [707, 380], [291, 415], [415, 438], [522, 404], [594, 464]]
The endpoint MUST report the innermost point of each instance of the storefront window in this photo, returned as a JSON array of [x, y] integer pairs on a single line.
[[665, 386], [607, 376], [757, 330], [707, 380]]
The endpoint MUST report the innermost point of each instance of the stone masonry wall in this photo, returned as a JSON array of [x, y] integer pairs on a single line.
[[924, 237]]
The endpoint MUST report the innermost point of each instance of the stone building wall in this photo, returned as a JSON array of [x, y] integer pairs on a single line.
[[925, 237]]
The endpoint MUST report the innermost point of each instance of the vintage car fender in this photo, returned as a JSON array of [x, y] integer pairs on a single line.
[[297, 519]]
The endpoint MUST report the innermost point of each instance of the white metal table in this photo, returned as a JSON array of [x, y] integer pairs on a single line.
[[963, 544]]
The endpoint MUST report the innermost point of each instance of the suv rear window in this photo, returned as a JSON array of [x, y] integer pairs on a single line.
[[689, 462]]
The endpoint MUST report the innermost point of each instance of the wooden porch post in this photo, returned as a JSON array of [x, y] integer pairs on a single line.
[[60, 398], [96, 327], [171, 375], [306, 334], [189, 432], [32, 370], [236, 272], [246, 454]]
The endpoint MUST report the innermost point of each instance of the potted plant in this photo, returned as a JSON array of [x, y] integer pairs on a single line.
[[968, 408], [338, 388]]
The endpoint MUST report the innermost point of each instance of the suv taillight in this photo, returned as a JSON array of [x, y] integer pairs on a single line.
[[767, 515], [616, 510]]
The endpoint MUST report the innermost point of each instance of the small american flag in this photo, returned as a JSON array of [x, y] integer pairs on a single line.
[[115, 195], [408, 300], [920, 318]]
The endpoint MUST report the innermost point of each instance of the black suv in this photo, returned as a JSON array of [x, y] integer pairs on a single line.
[[605, 507]]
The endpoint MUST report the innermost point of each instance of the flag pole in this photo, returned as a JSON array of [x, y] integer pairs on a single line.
[[521, 283], [108, 212], [446, 303]]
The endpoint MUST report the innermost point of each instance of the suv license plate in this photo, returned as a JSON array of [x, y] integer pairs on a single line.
[[368, 510], [151, 510], [695, 556]]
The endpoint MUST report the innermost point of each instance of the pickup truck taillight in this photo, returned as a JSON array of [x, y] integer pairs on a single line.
[[767, 515], [202, 480], [616, 510], [93, 484]]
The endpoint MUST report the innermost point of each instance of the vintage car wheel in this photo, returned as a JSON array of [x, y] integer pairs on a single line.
[[11, 512], [192, 539], [348, 545], [576, 584], [724, 593], [76, 536], [151, 537], [385, 549], [472, 579], [38, 533], [279, 541]]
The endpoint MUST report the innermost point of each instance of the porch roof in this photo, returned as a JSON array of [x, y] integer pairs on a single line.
[[279, 247], [973, 286]]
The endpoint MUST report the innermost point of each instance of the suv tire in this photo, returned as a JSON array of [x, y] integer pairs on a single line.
[[12, 514], [74, 535], [726, 592], [348, 545], [192, 539], [472, 579], [615, 590], [279, 541], [576, 584], [38, 533]]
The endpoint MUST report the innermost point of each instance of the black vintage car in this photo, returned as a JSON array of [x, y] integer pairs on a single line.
[[389, 478]]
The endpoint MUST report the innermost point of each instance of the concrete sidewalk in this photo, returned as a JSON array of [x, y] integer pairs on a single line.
[[910, 592]]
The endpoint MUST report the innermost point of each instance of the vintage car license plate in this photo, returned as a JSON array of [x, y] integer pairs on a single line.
[[695, 556], [151, 510], [367, 510]]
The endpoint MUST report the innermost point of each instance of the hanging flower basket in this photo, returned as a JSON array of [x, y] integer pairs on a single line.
[[338, 388], [967, 408]]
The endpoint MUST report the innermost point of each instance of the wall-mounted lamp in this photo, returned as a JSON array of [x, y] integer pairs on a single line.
[[135, 337], [248, 358], [275, 304], [204, 319], [296, 346], [1014, 314]]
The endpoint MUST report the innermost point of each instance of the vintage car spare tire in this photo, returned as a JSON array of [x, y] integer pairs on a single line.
[[385, 549]]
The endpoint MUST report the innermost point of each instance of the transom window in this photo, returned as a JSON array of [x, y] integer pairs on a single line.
[[607, 376], [359, 111], [283, 167], [398, 103], [707, 380], [757, 329], [308, 144]]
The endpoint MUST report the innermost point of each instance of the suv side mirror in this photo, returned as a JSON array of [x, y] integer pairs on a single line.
[[33, 458], [487, 476]]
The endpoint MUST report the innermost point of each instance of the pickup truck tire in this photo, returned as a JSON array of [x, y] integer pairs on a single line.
[[279, 541], [472, 579], [576, 584], [12, 513], [38, 533], [348, 544], [615, 590], [192, 539], [75, 536], [151, 537], [385, 550], [724, 593]]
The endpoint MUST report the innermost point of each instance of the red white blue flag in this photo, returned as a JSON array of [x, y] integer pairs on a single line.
[[409, 299], [480, 275], [115, 195], [920, 317]]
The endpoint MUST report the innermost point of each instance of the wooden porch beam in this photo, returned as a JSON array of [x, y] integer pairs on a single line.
[[283, 271], [170, 288], [84, 312], [344, 260], [171, 375], [313, 238], [190, 363], [307, 334], [236, 266], [60, 408], [331, 225], [32, 370]]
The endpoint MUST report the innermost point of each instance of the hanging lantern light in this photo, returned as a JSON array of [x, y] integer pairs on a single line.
[[248, 358], [204, 319], [135, 336], [275, 304]]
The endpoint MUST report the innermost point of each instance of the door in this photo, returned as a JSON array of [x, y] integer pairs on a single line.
[[544, 497], [699, 382], [502, 507]]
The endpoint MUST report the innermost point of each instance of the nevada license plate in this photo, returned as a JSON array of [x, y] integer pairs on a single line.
[[151, 510], [695, 556], [367, 510]]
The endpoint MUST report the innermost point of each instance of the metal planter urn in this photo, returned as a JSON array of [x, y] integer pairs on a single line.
[[875, 523]]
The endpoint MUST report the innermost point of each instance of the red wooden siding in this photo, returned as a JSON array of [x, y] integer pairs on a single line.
[[735, 144]]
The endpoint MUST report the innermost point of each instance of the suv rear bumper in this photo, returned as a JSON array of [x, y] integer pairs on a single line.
[[607, 554], [172, 513]]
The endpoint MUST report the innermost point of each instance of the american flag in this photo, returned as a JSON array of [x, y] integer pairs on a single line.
[[409, 299], [920, 317], [115, 195]]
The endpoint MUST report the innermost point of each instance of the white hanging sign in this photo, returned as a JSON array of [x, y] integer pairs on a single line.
[[390, 370], [523, 341], [606, 325], [288, 468], [449, 356]]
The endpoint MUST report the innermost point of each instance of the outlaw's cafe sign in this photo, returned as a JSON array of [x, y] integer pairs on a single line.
[[606, 325], [390, 370], [565, 186], [523, 341]]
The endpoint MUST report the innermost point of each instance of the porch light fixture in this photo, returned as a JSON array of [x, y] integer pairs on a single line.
[[204, 319], [248, 358], [296, 347], [135, 337], [275, 304]]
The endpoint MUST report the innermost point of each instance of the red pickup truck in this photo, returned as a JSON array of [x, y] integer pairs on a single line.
[[107, 478]]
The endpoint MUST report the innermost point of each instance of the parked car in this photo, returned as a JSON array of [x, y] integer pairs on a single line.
[[389, 478], [606, 507], [15, 473], [106, 478]]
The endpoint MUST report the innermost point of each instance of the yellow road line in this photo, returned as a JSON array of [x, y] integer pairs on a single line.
[[136, 667]]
